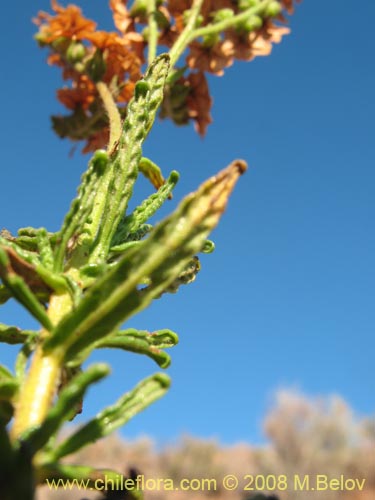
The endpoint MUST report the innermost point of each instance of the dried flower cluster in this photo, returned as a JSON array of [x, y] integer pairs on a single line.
[[88, 56]]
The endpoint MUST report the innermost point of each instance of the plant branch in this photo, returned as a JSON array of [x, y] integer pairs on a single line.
[[186, 35], [152, 30], [226, 24], [39, 389], [113, 114]]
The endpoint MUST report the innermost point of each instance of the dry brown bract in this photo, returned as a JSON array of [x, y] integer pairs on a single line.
[[68, 23], [121, 58], [211, 59], [199, 101]]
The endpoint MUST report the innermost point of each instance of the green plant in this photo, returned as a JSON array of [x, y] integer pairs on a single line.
[[105, 264]]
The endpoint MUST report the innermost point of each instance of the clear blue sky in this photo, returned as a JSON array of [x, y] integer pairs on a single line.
[[287, 299]]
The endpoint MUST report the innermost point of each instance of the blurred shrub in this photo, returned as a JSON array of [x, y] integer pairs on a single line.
[[305, 436]]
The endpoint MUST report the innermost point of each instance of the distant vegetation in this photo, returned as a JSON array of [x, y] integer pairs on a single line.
[[305, 436]]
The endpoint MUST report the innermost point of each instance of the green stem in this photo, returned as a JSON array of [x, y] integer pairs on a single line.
[[226, 24], [113, 114], [152, 30], [186, 35]]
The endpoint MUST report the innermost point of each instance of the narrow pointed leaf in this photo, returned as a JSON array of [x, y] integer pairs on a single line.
[[133, 222], [113, 417], [160, 258]]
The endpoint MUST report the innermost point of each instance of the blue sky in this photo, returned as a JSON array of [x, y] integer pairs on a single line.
[[287, 298]]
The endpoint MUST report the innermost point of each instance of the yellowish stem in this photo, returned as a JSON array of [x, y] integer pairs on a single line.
[[37, 392], [113, 114]]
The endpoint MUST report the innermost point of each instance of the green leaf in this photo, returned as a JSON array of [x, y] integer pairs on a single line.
[[5, 294], [187, 276], [31, 258], [28, 265], [151, 171], [8, 389], [6, 414], [76, 228], [24, 355], [133, 222], [208, 246], [160, 259], [123, 170], [137, 235], [69, 397], [8, 384], [113, 417], [143, 342], [28, 238], [45, 248], [13, 334], [21, 291]]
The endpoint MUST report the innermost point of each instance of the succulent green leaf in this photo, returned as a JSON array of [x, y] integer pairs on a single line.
[[187, 276], [45, 248], [133, 222], [28, 264], [161, 258], [122, 248], [5, 373], [157, 73], [151, 171], [143, 342], [76, 225], [208, 246], [8, 384], [5, 294], [69, 397], [30, 257], [140, 233], [113, 417], [24, 355], [27, 238], [21, 291], [6, 414], [30, 232], [141, 113], [8, 388], [13, 334]]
